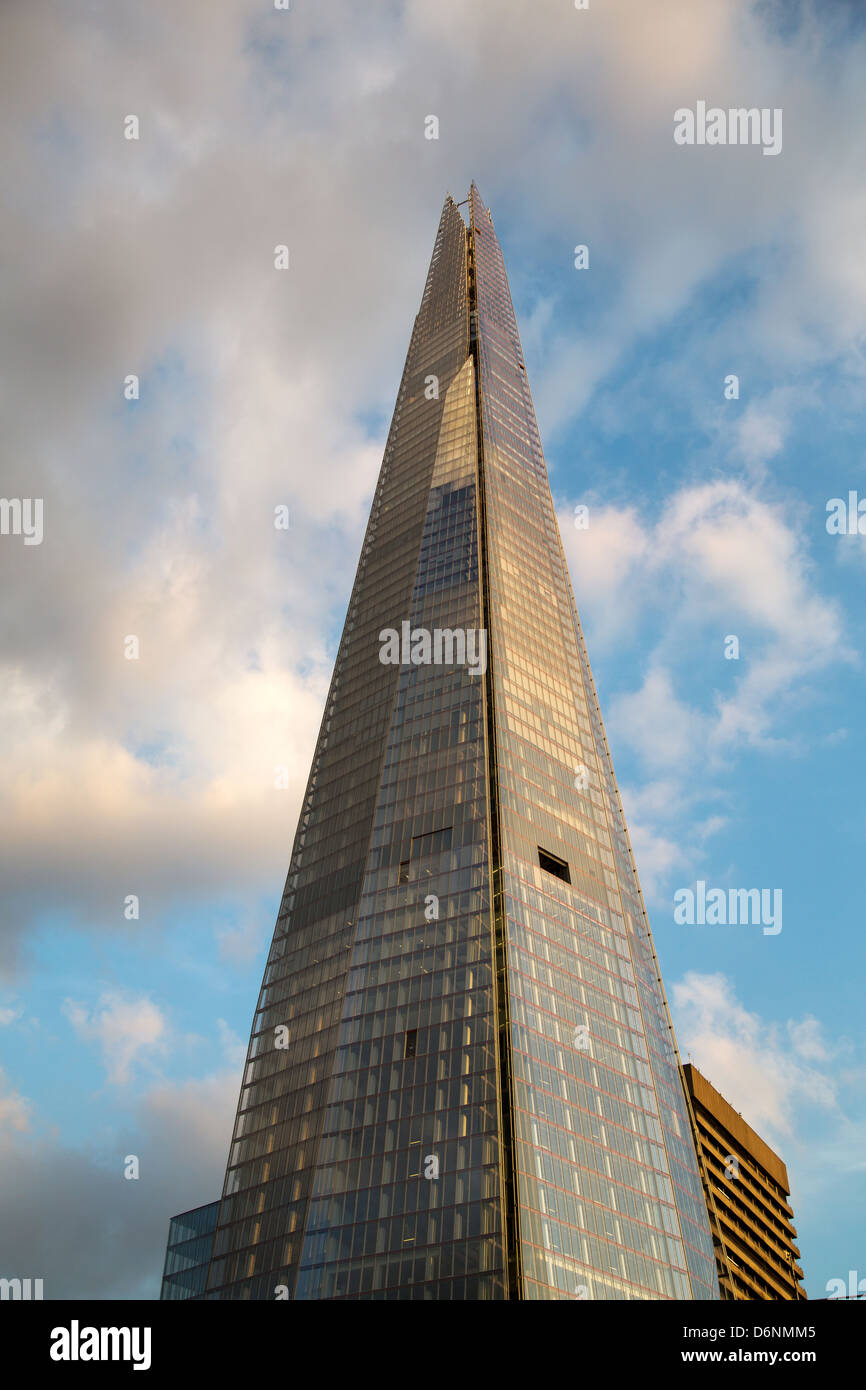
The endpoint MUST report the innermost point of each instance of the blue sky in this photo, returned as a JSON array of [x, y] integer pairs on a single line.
[[260, 388]]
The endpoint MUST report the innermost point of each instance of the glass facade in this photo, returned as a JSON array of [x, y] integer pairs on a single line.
[[608, 1194], [190, 1245], [462, 1081]]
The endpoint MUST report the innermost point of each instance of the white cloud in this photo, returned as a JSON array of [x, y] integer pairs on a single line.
[[15, 1109], [720, 559], [657, 854], [128, 1030], [612, 565], [665, 729], [242, 941], [310, 131], [807, 1040], [668, 836], [765, 1070]]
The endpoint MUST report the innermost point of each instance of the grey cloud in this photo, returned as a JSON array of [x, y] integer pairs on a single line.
[[70, 1217]]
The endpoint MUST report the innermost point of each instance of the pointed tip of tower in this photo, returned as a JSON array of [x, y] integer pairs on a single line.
[[477, 202]]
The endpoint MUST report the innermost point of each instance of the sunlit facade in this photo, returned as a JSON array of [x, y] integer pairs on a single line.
[[748, 1201], [462, 1081]]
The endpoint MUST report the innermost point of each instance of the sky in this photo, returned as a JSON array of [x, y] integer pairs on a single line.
[[153, 775]]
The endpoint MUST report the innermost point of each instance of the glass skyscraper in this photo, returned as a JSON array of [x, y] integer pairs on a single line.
[[187, 1256], [462, 1080]]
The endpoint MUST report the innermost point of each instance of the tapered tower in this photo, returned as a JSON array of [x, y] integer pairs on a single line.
[[462, 1080]]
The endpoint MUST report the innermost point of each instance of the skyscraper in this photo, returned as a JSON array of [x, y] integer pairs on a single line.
[[462, 1081]]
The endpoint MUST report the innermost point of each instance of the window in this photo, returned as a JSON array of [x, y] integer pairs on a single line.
[[403, 876], [553, 865], [434, 842], [411, 1043]]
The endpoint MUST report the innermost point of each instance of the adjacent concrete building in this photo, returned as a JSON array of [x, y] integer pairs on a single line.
[[750, 1215]]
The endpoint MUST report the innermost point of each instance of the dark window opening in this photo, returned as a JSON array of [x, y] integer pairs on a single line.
[[411, 1043], [403, 876], [432, 843], [552, 865]]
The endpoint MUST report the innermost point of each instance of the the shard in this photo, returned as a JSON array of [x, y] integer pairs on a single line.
[[462, 1080]]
